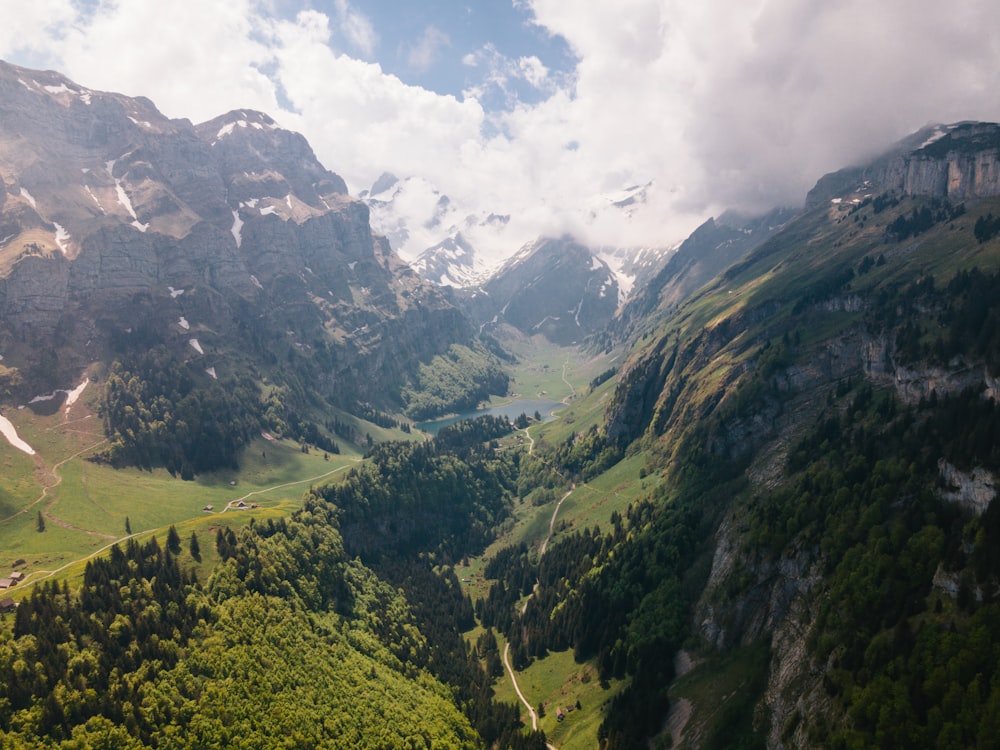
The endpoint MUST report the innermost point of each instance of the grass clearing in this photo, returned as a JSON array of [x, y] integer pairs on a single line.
[[558, 683], [85, 504]]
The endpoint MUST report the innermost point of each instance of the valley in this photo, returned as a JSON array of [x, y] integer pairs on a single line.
[[756, 510]]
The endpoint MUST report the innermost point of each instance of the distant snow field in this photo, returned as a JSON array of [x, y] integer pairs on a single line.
[[196, 345]]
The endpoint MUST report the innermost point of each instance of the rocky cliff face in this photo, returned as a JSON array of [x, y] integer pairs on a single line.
[[110, 211], [554, 287], [957, 162]]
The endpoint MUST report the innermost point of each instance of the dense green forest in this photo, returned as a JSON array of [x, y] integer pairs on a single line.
[[456, 381], [156, 413], [143, 655]]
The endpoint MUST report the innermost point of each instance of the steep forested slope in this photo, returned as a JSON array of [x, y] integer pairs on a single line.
[[822, 418]]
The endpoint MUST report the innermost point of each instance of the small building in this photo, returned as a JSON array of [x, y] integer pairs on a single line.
[[209, 508], [6, 583], [17, 576], [7, 605]]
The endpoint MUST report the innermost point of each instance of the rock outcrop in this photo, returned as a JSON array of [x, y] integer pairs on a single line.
[[957, 162], [110, 212]]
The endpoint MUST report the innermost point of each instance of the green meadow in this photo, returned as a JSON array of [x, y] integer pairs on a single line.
[[85, 505]]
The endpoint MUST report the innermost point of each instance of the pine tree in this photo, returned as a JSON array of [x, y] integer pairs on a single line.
[[40, 522], [173, 540], [194, 547], [128, 526]]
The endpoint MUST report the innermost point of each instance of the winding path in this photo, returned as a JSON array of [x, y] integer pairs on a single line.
[[572, 390], [517, 689], [233, 503], [41, 472], [552, 521]]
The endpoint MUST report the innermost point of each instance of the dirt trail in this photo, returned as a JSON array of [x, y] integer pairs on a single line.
[[572, 390], [233, 503], [517, 689], [552, 521]]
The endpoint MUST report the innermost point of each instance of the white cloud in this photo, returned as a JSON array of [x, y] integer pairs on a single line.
[[427, 49], [717, 103], [360, 120], [749, 103], [190, 69], [357, 27]]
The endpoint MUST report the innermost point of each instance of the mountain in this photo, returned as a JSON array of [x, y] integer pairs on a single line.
[[554, 287], [825, 412], [228, 242], [710, 249], [452, 243], [956, 161], [444, 240]]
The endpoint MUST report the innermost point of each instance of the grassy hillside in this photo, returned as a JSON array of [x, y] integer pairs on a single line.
[[85, 504]]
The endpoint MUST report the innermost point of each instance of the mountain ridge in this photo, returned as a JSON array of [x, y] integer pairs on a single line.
[[114, 214]]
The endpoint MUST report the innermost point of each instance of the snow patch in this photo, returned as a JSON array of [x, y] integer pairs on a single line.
[[237, 229], [175, 293], [127, 203], [268, 210], [226, 130], [8, 431], [123, 196], [595, 264], [95, 199], [73, 395], [196, 345], [211, 371], [28, 197], [62, 88], [62, 237], [256, 283], [183, 323], [85, 98]]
